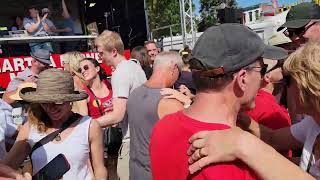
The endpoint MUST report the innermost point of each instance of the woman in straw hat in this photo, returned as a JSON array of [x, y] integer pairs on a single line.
[[71, 63], [51, 111]]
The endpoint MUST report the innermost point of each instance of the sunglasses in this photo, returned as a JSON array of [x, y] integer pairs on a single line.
[[263, 68], [298, 32], [84, 68]]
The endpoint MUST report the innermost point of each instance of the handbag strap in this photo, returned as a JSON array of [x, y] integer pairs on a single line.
[[96, 100], [54, 134]]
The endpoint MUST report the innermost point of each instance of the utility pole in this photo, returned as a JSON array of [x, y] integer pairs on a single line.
[[188, 27]]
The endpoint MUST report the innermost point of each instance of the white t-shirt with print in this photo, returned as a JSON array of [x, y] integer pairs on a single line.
[[306, 132], [127, 76]]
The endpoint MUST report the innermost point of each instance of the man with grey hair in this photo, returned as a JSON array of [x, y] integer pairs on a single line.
[[154, 103]]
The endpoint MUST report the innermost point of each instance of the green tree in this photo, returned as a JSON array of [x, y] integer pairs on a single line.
[[163, 13], [208, 11]]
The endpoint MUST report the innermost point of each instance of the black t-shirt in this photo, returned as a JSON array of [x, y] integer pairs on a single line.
[[186, 79]]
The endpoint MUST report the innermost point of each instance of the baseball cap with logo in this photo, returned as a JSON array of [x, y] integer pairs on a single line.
[[300, 15], [230, 47]]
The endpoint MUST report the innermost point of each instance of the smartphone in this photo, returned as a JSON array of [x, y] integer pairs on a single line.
[[55, 169]]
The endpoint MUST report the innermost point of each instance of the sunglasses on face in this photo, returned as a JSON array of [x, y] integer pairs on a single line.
[[84, 68], [299, 32], [263, 68]]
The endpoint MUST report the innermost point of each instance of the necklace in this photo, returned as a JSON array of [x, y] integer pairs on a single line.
[[58, 137]]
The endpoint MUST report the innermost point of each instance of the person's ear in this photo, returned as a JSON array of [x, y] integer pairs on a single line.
[[241, 79], [97, 69], [266, 78], [114, 52]]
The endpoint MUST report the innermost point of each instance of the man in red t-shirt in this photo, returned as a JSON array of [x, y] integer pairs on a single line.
[[228, 67], [267, 111]]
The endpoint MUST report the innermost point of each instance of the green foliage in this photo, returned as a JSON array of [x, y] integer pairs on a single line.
[[208, 12], [163, 13]]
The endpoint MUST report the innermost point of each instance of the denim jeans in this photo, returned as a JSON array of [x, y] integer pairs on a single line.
[[43, 45]]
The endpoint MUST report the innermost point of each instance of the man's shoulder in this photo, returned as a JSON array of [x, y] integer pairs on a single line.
[[24, 74], [168, 122], [137, 91], [128, 64]]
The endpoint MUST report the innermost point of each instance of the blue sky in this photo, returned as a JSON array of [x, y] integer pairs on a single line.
[[246, 3]]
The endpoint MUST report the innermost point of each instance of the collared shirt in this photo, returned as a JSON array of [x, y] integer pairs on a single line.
[[27, 22]]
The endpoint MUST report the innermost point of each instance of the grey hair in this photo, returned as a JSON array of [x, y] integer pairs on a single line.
[[167, 59]]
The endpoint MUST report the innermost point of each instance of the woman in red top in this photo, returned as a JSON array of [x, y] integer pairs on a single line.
[[98, 89]]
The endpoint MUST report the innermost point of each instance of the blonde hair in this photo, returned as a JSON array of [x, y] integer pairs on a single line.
[[110, 40], [304, 67], [73, 59]]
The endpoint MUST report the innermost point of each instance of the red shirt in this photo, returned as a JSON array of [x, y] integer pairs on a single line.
[[105, 103], [168, 151], [268, 112]]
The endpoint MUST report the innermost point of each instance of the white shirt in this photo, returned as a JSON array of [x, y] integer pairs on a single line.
[[127, 76], [75, 147], [7, 127], [306, 132]]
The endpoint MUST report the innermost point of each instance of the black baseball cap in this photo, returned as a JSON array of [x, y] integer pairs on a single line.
[[300, 15], [230, 47]]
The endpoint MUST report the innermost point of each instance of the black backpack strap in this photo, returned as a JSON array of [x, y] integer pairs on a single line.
[[54, 134]]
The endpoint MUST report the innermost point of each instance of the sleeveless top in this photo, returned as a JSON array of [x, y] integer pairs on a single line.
[[105, 103], [142, 118], [75, 147]]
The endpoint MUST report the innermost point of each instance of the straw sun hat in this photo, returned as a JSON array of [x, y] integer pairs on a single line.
[[23, 85], [53, 86]]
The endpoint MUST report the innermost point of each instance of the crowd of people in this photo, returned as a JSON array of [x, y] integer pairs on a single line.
[[218, 111]]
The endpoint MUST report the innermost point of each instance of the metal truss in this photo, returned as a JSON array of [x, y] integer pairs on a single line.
[[188, 26]]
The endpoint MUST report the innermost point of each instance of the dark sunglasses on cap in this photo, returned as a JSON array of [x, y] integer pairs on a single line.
[[299, 31]]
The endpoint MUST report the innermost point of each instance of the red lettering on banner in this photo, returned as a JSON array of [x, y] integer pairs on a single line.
[[11, 66]]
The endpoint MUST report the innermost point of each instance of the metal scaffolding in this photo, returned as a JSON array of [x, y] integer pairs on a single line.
[[188, 27]]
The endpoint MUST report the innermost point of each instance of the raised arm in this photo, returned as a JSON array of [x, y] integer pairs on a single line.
[[65, 10], [32, 27]]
